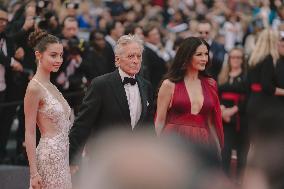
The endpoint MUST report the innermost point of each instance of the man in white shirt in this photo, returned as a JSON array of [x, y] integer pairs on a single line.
[[217, 50], [120, 99], [155, 57]]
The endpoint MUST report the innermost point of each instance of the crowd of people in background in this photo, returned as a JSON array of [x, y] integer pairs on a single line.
[[246, 40]]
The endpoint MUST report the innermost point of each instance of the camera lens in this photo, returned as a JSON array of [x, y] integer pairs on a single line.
[[40, 4]]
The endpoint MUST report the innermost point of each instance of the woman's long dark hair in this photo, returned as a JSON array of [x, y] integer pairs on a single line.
[[183, 58]]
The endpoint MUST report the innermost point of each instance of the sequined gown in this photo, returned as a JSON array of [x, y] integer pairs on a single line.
[[52, 153]]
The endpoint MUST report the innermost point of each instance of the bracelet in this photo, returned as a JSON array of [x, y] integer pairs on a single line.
[[33, 176]]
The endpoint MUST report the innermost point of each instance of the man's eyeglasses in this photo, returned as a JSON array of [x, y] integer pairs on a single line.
[[203, 32], [132, 56], [236, 57]]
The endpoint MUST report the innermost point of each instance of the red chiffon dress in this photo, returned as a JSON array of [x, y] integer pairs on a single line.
[[195, 127]]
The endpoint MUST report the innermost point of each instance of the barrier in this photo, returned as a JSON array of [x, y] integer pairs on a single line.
[[14, 177]]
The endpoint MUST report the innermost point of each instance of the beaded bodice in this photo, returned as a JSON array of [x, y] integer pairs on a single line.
[[57, 111]]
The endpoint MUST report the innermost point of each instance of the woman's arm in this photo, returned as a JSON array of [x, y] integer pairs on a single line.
[[164, 99], [31, 103], [215, 117], [279, 91]]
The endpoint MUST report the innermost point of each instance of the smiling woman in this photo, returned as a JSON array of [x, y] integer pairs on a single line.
[[45, 107], [188, 103]]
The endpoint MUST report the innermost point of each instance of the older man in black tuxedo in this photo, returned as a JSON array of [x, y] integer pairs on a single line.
[[120, 99]]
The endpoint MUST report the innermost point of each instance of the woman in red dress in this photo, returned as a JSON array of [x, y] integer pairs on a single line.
[[188, 103]]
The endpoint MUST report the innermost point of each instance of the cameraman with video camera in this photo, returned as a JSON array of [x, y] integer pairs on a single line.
[[25, 21], [70, 77]]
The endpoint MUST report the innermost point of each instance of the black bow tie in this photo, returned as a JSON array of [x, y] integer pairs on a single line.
[[131, 81], [2, 35]]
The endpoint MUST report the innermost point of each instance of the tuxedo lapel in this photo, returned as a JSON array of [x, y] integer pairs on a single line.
[[143, 96], [119, 92]]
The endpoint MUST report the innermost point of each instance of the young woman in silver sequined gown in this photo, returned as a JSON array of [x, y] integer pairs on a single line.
[[45, 107]]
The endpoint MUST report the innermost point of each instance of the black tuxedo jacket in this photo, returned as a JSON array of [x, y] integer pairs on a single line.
[[5, 60], [153, 67], [105, 106]]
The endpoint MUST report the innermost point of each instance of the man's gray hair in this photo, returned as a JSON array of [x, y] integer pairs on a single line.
[[125, 40]]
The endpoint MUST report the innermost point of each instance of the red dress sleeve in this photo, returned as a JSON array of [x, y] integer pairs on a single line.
[[216, 114]]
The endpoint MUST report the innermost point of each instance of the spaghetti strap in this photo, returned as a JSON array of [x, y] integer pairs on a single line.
[[34, 79]]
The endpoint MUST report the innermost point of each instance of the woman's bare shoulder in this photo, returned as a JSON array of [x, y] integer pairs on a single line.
[[168, 84], [167, 88], [33, 89]]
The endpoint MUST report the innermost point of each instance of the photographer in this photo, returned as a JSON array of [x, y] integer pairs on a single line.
[[70, 78], [12, 77], [69, 9], [22, 24], [50, 23], [96, 60]]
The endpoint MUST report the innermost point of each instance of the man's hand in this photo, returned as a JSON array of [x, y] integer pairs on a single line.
[[61, 79], [74, 169], [17, 66], [20, 53], [29, 23], [78, 59]]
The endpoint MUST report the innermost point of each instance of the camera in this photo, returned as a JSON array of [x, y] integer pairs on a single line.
[[72, 5], [75, 46], [37, 19], [44, 20], [42, 3]]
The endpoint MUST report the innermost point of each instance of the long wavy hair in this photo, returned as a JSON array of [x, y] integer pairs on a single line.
[[266, 45], [183, 58], [224, 74]]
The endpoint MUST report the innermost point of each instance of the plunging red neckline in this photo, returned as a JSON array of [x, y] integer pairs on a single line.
[[189, 101]]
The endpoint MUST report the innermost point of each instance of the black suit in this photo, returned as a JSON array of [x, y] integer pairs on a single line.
[[109, 55], [105, 106], [218, 53], [6, 95], [153, 67]]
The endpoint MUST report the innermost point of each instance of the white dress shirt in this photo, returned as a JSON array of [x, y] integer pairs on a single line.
[[133, 98], [111, 41], [162, 54]]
